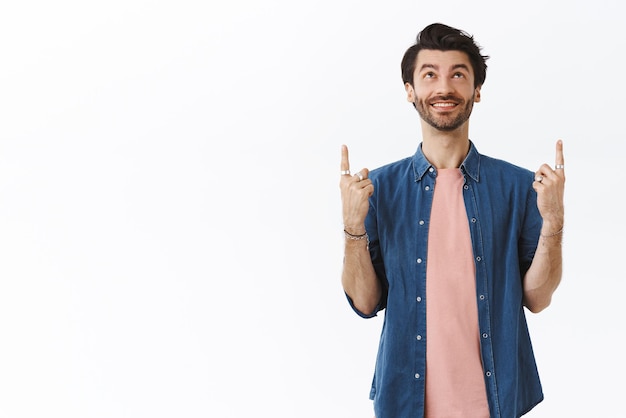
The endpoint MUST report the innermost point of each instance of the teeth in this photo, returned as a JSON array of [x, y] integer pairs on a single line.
[[443, 104]]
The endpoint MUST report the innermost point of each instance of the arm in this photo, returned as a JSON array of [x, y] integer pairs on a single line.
[[544, 275], [358, 277]]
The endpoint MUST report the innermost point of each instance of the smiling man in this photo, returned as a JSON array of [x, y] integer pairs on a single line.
[[454, 246]]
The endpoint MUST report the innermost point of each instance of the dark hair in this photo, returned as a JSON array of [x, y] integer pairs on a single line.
[[440, 37]]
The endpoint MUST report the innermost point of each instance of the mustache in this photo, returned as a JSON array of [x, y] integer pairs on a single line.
[[449, 98]]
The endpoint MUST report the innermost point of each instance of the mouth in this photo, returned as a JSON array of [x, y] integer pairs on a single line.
[[444, 105]]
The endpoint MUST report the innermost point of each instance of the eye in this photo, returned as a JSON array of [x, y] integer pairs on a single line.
[[458, 75], [429, 74]]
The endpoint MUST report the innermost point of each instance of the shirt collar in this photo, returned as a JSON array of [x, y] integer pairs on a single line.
[[470, 166]]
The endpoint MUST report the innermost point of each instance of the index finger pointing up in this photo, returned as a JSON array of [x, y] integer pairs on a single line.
[[560, 161], [345, 163]]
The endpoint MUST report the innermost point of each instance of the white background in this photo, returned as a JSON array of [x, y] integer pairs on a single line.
[[170, 229]]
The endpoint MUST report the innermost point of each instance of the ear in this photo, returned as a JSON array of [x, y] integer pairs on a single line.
[[410, 92], [477, 95]]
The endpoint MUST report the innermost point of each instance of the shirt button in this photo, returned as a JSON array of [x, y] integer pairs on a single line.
[[417, 375], [431, 169], [419, 299], [427, 188], [473, 220], [419, 338], [466, 187], [478, 258], [421, 222], [482, 297], [419, 261], [485, 335], [488, 374]]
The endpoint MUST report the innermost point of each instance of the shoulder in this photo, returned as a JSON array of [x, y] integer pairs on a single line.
[[496, 166], [392, 170]]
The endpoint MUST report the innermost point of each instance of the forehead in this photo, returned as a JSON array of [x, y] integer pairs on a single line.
[[442, 60]]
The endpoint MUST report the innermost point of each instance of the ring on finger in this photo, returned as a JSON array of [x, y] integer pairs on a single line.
[[344, 172], [559, 167], [359, 175], [538, 178]]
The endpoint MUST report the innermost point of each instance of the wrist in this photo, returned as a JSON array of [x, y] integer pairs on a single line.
[[354, 229], [551, 229], [555, 234], [356, 238]]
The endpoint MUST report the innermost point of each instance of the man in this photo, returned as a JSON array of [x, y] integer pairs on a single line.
[[453, 245]]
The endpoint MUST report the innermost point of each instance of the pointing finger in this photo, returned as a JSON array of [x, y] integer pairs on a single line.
[[345, 163], [559, 161]]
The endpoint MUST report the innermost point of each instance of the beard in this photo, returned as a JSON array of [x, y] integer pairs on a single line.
[[445, 122]]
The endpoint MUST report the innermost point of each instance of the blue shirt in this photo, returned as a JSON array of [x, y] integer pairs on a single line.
[[504, 226]]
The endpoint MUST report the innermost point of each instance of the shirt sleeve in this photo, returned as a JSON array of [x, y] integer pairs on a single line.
[[531, 229]]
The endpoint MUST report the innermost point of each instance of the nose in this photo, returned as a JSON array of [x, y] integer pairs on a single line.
[[444, 86]]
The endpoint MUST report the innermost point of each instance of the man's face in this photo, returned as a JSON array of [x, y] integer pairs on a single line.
[[443, 88]]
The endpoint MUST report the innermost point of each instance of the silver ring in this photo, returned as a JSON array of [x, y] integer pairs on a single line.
[[344, 172], [559, 167], [360, 176], [538, 178]]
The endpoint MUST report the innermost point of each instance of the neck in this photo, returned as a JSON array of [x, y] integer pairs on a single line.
[[445, 149]]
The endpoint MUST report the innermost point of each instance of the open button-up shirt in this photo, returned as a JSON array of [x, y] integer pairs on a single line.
[[504, 226]]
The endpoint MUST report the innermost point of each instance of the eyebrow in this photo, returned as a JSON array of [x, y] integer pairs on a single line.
[[436, 67]]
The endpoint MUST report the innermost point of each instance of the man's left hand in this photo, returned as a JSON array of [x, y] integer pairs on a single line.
[[550, 186]]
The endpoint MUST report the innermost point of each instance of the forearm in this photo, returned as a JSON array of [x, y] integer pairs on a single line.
[[359, 278], [544, 275]]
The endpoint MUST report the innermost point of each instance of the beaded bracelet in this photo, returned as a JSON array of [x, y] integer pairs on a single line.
[[357, 237], [354, 237]]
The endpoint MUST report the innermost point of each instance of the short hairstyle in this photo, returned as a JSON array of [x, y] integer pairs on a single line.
[[440, 37]]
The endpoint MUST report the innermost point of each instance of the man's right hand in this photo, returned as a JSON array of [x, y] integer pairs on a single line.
[[355, 192]]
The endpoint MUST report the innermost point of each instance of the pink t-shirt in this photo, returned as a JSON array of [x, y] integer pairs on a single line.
[[455, 385]]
